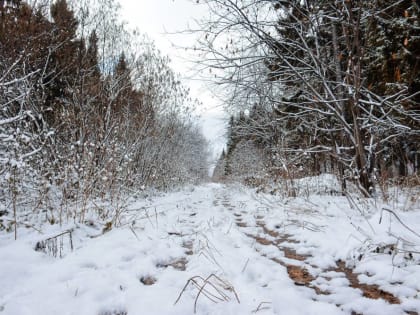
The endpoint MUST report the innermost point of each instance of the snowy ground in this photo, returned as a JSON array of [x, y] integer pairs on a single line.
[[250, 253]]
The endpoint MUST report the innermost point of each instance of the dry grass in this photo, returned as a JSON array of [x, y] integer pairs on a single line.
[[57, 245], [213, 288]]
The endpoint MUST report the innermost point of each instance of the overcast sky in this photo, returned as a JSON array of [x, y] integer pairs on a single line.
[[163, 21]]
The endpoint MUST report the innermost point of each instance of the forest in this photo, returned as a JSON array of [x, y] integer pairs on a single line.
[[107, 205], [318, 87], [89, 109]]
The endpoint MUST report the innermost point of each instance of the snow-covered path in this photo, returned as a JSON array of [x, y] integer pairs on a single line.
[[254, 255]]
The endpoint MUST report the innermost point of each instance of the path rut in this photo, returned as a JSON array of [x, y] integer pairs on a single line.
[[297, 265]]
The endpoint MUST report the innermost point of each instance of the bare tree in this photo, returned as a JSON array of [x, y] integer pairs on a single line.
[[88, 110], [306, 59]]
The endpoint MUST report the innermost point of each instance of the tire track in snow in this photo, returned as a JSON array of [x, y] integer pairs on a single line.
[[299, 270]]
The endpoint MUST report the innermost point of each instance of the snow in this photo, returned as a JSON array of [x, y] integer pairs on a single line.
[[193, 233]]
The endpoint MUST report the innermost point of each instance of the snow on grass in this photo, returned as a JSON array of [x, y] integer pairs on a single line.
[[168, 242]]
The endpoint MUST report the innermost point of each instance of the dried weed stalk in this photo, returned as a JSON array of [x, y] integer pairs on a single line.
[[213, 288]]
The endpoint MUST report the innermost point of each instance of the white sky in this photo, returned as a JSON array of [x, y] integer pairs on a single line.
[[160, 19]]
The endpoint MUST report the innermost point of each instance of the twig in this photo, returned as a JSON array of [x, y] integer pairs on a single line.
[[216, 283], [156, 216], [260, 307], [399, 220], [134, 232], [353, 204], [246, 264]]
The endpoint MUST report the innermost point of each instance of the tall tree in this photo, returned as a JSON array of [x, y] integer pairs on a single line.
[[308, 59]]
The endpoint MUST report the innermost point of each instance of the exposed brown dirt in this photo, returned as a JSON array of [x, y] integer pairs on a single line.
[[188, 245], [178, 264], [370, 291], [241, 224], [148, 280], [298, 274], [280, 238], [267, 230], [301, 276], [291, 254], [261, 240]]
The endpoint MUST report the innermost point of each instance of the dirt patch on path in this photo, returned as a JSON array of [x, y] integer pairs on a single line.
[[370, 291], [299, 272], [301, 276]]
